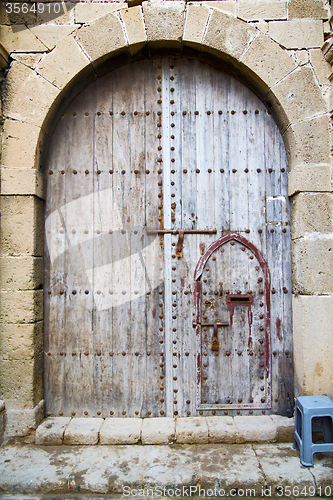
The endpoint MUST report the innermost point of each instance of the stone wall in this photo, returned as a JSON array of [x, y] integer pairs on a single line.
[[275, 47]]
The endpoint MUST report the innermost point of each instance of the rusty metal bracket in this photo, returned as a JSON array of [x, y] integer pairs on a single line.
[[215, 342], [181, 233], [179, 249]]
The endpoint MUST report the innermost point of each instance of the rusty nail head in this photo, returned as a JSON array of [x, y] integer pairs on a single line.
[[251, 400], [111, 413], [148, 353], [123, 412], [136, 412], [73, 353], [48, 414], [73, 413], [98, 413], [61, 353], [49, 354], [240, 400]]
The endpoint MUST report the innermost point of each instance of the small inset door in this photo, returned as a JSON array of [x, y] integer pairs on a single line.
[[233, 327]]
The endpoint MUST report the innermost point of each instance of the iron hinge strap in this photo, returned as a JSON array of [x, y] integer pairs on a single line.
[[210, 324]]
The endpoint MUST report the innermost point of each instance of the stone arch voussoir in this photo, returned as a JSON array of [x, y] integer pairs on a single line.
[[259, 61]]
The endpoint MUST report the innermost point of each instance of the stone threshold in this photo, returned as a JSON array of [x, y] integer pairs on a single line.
[[55, 431]]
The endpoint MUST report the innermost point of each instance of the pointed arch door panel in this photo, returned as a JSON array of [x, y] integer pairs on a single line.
[[149, 166], [233, 327]]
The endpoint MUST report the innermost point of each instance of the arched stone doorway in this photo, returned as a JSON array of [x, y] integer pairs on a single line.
[[148, 166]]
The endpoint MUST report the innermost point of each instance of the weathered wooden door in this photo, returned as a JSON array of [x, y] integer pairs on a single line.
[[167, 255]]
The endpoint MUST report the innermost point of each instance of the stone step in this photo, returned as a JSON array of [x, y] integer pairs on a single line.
[[54, 431], [261, 471]]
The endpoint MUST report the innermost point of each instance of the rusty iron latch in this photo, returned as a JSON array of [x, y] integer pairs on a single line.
[[179, 248], [215, 342], [181, 232]]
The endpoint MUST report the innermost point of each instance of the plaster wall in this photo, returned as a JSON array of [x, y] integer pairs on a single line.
[[274, 46]]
